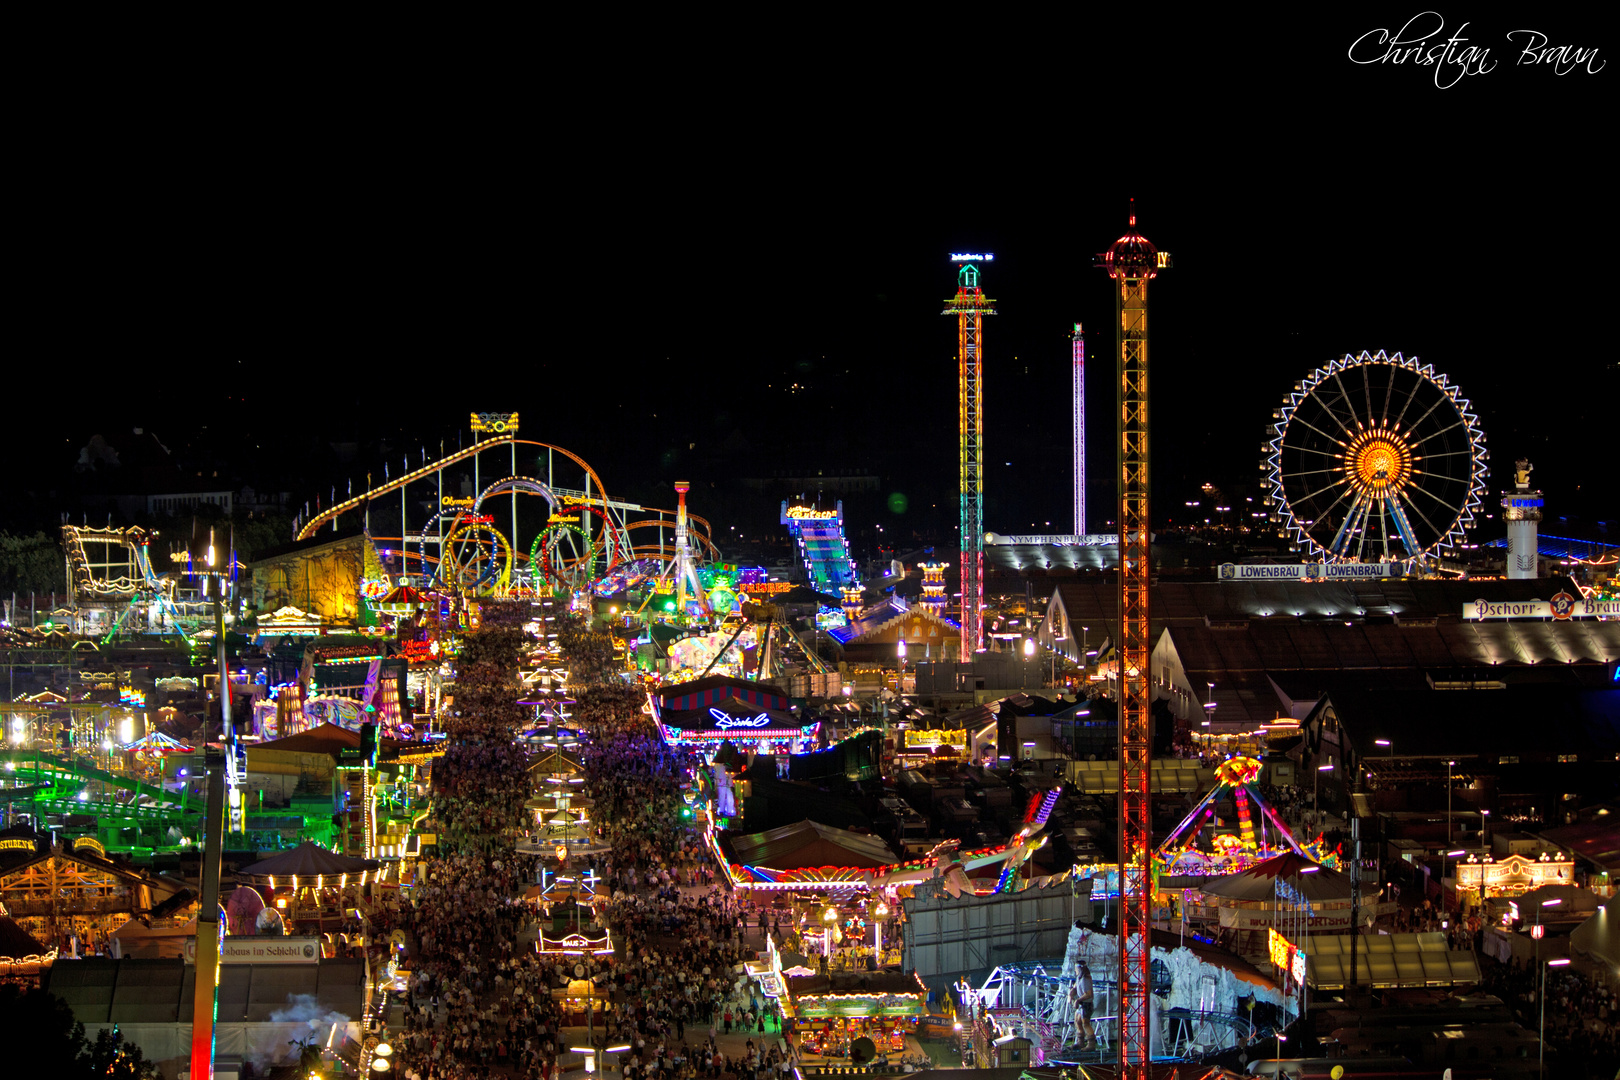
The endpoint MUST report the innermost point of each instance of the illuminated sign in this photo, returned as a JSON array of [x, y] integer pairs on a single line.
[[810, 513], [1284, 956], [16, 845], [495, 422], [1308, 571], [89, 843], [930, 739], [721, 720], [270, 950], [456, 500], [965, 257], [420, 652], [1559, 608], [766, 588]]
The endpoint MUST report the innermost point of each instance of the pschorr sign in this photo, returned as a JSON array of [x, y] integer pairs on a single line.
[[1560, 608], [1308, 571]]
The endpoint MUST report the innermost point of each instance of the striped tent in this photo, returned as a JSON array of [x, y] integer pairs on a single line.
[[717, 688]]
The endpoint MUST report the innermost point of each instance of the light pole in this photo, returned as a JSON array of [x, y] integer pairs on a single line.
[[1541, 1042], [1449, 766], [828, 918], [1316, 792], [879, 913], [1536, 932], [1459, 853]]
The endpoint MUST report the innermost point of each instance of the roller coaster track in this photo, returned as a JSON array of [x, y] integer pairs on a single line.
[[313, 525], [60, 771]]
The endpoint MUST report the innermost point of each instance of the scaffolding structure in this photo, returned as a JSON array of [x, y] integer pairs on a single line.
[[1131, 263], [970, 306]]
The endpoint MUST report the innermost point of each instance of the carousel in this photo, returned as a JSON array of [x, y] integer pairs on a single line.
[[855, 1017], [315, 890]]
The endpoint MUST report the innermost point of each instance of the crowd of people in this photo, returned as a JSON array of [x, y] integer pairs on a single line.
[[479, 1002], [1582, 1014], [479, 787]]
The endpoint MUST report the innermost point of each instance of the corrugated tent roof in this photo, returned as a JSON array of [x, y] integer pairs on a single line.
[[808, 845]]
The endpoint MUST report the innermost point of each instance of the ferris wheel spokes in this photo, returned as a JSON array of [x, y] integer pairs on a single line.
[[1364, 445]]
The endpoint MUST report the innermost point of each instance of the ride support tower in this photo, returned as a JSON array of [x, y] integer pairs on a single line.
[[685, 568], [1131, 263], [970, 306], [1079, 340]]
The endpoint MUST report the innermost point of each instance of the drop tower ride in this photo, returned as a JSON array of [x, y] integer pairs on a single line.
[[1079, 340], [1131, 263], [970, 306]]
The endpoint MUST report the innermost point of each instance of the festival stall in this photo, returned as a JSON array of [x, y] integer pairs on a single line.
[[1483, 879], [830, 1012]]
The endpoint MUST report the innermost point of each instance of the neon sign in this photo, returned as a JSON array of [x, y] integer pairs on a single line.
[[811, 513], [499, 423], [985, 257], [1284, 955], [721, 720]]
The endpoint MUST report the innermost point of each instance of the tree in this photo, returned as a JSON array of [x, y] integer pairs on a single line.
[[40, 1027], [111, 1056], [44, 1025], [31, 563]]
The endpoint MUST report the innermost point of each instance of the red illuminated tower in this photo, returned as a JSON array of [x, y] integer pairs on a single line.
[[970, 306], [1132, 262]]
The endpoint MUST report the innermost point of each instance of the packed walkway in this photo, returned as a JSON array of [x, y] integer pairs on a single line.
[[479, 1000]]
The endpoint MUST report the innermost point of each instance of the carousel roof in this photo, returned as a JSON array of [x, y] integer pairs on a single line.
[[157, 742], [1259, 882], [308, 859], [402, 598]]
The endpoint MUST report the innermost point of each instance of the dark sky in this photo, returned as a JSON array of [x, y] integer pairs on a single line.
[[639, 245]]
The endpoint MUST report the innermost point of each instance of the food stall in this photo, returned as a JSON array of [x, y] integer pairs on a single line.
[[829, 1013]]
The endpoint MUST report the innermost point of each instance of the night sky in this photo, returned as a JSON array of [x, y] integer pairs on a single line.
[[643, 248]]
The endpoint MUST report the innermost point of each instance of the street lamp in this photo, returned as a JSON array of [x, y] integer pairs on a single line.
[[1541, 1049], [1449, 766], [830, 918], [1316, 791], [879, 913], [1459, 853]]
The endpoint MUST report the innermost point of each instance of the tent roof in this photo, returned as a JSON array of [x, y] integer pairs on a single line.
[[808, 845], [16, 942], [701, 693], [1600, 934], [306, 860], [1259, 881], [326, 739]]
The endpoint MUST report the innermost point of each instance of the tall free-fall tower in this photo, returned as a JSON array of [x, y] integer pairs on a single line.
[[1131, 263], [1079, 341], [970, 306]]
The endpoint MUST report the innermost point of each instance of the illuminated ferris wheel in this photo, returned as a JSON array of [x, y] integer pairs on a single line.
[[1375, 457]]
